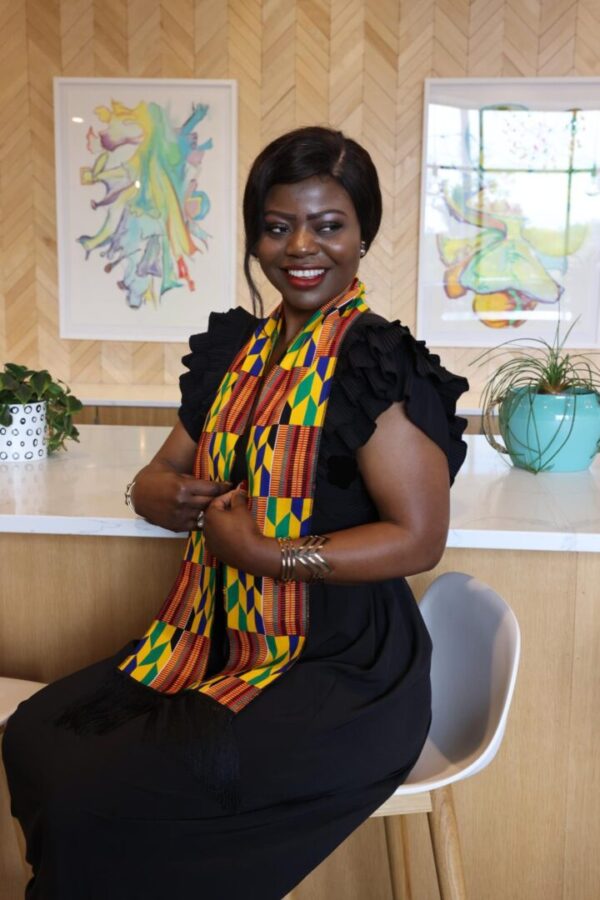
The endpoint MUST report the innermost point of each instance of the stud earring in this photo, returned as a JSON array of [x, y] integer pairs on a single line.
[[363, 248]]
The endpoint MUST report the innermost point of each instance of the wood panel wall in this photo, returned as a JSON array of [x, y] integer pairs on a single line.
[[356, 64]]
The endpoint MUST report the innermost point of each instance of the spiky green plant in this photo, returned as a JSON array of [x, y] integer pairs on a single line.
[[534, 366], [18, 384]]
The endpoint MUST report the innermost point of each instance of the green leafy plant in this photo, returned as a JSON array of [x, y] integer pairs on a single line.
[[528, 367], [18, 384]]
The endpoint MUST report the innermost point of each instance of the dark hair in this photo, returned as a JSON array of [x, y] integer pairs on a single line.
[[301, 154]]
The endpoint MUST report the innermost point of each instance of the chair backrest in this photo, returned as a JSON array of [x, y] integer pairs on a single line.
[[476, 648]]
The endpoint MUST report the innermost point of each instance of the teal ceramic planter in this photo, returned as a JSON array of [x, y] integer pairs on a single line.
[[550, 432]]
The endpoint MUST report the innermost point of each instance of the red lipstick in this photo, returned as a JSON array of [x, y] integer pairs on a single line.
[[310, 278]]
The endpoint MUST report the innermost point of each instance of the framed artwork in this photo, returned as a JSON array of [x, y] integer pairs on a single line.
[[146, 175], [510, 211]]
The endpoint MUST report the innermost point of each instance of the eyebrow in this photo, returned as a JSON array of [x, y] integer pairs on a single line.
[[316, 215]]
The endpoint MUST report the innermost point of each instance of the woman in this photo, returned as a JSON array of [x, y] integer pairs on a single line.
[[282, 693]]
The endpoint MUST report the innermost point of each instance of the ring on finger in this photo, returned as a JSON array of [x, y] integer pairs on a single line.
[[200, 519]]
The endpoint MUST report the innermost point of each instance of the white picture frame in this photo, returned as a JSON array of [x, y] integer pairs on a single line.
[[510, 211], [146, 198]]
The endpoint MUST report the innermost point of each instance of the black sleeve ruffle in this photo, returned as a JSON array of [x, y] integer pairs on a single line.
[[381, 363], [211, 355]]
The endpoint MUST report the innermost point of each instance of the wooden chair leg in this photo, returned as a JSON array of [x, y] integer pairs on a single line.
[[446, 846], [397, 848]]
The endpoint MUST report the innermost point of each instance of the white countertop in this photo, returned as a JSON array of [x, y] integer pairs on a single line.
[[149, 395], [80, 491], [169, 396]]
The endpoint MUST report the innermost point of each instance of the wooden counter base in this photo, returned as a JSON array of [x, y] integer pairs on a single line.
[[529, 824]]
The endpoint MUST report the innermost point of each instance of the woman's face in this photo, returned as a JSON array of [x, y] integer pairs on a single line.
[[310, 247]]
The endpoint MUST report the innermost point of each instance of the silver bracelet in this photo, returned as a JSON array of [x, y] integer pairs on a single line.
[[287, 560], [128, 497], [308, 555]]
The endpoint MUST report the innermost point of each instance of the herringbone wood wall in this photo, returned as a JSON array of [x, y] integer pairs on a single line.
[[357, 64]]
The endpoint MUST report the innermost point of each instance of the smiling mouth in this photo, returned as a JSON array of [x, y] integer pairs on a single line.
[[307, 274], [304, 279]]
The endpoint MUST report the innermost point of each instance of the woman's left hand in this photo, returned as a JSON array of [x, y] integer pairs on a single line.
[[230, 531]]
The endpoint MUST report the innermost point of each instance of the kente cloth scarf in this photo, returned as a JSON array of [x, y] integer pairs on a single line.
[[267, 620]]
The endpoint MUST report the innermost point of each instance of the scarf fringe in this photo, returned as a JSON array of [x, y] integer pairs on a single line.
[[117, 700], [194, 727]]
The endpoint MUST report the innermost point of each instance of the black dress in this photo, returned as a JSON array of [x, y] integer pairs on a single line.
[[114, 816]]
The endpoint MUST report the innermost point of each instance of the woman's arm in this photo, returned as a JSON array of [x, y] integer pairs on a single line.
[[165, 493], [406, 475]]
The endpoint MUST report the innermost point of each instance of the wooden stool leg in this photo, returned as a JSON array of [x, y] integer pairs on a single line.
[[446, 846], [397, 848]]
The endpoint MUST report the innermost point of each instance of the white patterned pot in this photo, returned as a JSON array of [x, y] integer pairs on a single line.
[[25, 439]]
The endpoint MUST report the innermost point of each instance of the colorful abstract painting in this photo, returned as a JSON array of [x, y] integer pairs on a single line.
[[510, 217], [146, 202]]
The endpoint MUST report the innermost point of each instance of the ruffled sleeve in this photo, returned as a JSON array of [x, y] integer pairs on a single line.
[[381, 363], [211, 355]]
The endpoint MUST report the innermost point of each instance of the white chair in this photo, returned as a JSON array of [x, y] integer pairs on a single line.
[[477, 642]]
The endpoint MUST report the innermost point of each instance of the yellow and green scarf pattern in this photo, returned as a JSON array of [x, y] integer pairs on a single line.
[[267, 620]]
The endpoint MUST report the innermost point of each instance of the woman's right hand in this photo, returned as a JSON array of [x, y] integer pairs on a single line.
[[173, 499], [166, 494]]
